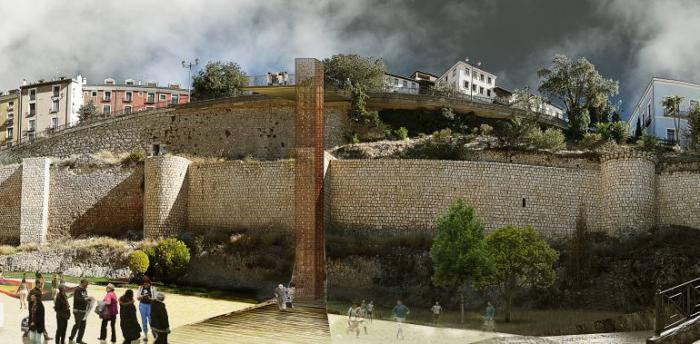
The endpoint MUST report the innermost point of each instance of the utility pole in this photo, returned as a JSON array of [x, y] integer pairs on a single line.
[[188, 66]]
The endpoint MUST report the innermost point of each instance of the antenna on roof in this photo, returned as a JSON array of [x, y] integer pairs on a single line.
[[478, 63]]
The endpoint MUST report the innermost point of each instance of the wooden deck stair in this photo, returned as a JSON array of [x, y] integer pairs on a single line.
[[261, 324]]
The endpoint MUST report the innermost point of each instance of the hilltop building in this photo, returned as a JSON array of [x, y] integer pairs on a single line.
[[47, 105], [112, 98], [400, 84], [469, 80], [651, 116], [425, 80], [9, 105]]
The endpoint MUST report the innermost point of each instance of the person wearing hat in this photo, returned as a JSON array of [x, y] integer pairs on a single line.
[[62, 308], [160, 324], [110, 314]]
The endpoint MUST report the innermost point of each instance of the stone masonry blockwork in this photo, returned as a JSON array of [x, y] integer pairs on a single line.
[[34, 220], [165, 196]]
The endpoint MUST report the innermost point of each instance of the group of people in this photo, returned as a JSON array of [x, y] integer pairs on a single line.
[[151, 306], [357, 314]]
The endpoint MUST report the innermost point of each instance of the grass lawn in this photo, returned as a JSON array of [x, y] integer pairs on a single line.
[[169, 288], [527, 322]]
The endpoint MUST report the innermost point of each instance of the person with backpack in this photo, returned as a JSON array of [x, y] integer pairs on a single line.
[[81, 303], [146, 294], [62, 308], [109, 313], [127, 317]]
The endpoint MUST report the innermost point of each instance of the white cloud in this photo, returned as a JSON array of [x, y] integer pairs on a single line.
[[148, 39]]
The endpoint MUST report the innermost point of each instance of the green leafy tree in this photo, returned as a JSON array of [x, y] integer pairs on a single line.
[[672, 106], [171, 259], [579, 86], [638, 129], [458, 248], [344, 71], [551, 139], [218, 79], [617, 132], [87, 112], [138, 263], [519, 259], [693, 133]]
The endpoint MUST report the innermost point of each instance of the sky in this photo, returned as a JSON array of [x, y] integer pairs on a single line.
[[627, 40]]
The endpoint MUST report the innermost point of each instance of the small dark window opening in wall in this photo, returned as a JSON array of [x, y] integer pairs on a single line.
[[156, 149], [523, 203]]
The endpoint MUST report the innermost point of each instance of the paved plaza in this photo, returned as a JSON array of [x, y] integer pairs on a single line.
[[182, 310]]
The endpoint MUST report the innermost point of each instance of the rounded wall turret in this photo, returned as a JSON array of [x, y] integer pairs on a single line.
[[165, 196], [629, 192]]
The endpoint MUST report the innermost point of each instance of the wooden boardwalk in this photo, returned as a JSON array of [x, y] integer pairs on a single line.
[[260, 324]]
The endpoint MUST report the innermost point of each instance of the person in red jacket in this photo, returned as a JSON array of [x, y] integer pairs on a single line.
[[110, 314]]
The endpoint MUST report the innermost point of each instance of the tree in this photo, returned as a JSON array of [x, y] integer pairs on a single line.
[[519, 259], [342, 71], [638, 129], [218, 79], [672, 107], [458, 249], [579, 86], [693, 133], [87, 112], [524, 99]]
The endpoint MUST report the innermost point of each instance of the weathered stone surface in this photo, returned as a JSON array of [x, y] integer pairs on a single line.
[[165, 196], [10, 199], [34, 221], [71, 262]]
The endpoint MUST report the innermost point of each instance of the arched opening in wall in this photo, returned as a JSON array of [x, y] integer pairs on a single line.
[[523, 202]]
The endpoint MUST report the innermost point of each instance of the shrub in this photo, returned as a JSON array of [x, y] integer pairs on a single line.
[[171, 259], [7, 250], [442, 134], [486, 129], [402, 133], [138, 263], [355, 139], [515, 132], [551, 139], [137, 156], [647, 142], [590, 141], [617, 132]]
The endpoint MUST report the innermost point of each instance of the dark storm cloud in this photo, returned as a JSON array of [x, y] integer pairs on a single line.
[[629, 40]]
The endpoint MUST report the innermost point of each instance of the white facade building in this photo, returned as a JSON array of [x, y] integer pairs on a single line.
[[400, 84], [469, 80]]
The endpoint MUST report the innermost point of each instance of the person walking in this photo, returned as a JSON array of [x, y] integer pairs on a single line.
[[62, 308], [128, 322], [400, 312], [489, 324], [290, 295], [109, 316], [37, 327], [281, 297], [22, 293], [436, 310], [54, 286], [146, 294], [81, 303], [370, 311], [160, 325]]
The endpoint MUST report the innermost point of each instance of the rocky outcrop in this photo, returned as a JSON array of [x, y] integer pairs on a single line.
[[73, 262]]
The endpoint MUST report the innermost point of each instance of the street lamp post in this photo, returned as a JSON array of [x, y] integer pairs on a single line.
[[188, 66]]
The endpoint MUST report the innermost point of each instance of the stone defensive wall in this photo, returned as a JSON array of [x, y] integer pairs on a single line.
[[232, 128], [618, 194]]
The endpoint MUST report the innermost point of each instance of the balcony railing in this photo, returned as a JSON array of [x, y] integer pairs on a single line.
[[677, 305]]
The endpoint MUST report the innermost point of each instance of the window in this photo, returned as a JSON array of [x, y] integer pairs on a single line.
[[488, 93], [32, 125], [454, 72], [489, 82], [109, 81], [56, 90], [107, 96], [466, 84], [127, 109], [32, 94], [54, 123], [151, 97], [32, 109], [10, 132], [481, 77], [481, 90], [163, 97], [649, 109], [473, 87], [129, 82], [94, 93], [106, 109], [396, 82], [10, 106], [128, 96], [175, 98], [671, 135], [54, 105]]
